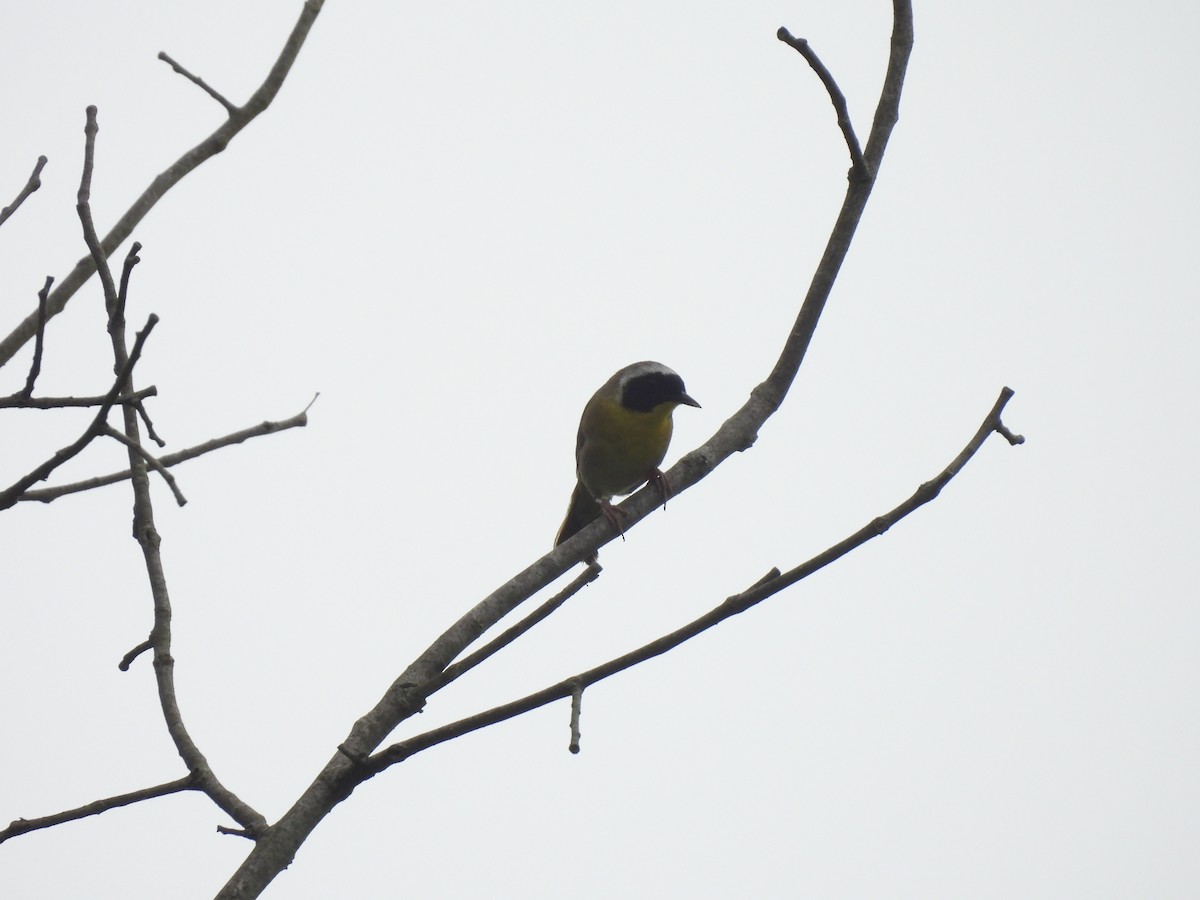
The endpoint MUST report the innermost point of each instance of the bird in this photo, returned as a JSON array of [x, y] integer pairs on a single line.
[[623, 436]]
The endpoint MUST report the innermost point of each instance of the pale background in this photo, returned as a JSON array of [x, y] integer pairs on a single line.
[[456, 221]]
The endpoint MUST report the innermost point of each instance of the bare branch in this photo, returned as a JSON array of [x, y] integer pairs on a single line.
[[404, 697], [452, 672], [13, 493], [35, 367], [46, 495], [576, 711], [34, 182], [24, 826], [17, 401], [206, 149], [83, 207], [859, 170], [128, 658], [144, 531], [200, 83], [771, 584], [131, 260], [150, 461]]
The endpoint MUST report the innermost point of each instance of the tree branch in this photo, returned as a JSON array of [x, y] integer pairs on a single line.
[[47, 495], [276, 849], [200, 83], [149, 459], [24, 826], [206, 149], [771, 584], [860, 170], [32, 184], [17, 401], [13, 493], [144, 531]]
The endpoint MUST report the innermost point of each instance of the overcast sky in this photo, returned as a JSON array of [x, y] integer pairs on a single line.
[[457, 220]]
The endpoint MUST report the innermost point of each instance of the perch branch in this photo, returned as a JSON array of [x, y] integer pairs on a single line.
[[771, 584], [404, 697]]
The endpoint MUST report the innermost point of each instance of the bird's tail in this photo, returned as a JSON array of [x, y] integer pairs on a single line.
[[580, 513]]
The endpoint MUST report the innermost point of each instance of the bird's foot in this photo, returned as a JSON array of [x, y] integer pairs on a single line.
[[614, 517], [660, 481]]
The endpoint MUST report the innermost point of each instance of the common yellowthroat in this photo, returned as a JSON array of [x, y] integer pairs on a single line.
[[623, 436]]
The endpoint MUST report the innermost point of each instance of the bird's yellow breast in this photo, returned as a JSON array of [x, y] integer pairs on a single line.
[[619, 448]]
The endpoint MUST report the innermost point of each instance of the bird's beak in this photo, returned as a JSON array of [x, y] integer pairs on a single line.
[[685, 400]]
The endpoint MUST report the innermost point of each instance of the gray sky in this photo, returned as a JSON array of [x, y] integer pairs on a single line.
[[455, 223]]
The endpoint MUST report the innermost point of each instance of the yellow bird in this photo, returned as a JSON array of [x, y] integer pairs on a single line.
[[623, 436]]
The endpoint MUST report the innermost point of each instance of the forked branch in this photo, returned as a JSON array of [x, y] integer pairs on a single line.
[[766, 587], [406, 696], [206, 149]]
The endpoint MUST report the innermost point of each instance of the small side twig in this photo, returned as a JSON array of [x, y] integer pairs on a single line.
[[24, 826], [128, 658], [131, 260], [32, 184], [200, 83], [151, 461], [801, 46], [83, 206], [46, 495], [148, 422], [35, 367], [451, 672], [769, 585], [576, 710]]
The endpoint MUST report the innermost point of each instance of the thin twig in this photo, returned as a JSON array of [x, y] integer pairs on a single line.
[[13, 493], [200, 83], [576, 712], [24, 826], [801, 46], [131, 260], [128, 658], [452, 672], [31, 185], [83, 207], [35, 367], [46, 495], [146, 420], [16, 401], [771, 584], [150, 461]]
